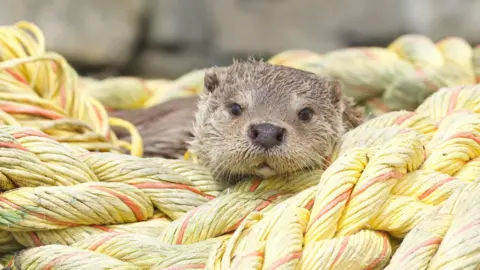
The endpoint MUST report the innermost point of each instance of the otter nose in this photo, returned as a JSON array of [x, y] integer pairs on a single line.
[[266, 135]]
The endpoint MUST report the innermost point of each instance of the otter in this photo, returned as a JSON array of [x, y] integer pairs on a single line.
[[255, 119]]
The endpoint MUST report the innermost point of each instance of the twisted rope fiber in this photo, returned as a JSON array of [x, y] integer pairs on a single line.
[[68, 236], [40, 90], [390, 199], [402, 185], [398, 77], [126, 93]]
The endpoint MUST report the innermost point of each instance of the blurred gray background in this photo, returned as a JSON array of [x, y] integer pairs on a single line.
[[166, 38]]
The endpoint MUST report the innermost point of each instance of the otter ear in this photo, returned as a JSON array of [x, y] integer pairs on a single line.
[[213, 77], [352, 114], [335, 87]]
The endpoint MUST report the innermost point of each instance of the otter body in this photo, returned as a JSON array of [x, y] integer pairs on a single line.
[[258, 119], [165, 128]]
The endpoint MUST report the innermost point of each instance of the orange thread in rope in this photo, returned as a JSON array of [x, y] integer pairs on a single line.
[[13, 145], [135, 208], [285, 260], [184, 226], [32, 111], [172, 186], [434, 187]]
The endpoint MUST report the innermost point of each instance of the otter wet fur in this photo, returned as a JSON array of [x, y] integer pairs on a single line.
[[165, 128], [262, 120]]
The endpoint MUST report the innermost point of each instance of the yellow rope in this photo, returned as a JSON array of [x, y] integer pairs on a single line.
[[141, 250], [401, 191], [126, 93], [152, 227], [33, 209], [446, 239], [40, 90], [136, 137], [59, 256], [398, 77], [397, 195], [169, 191]]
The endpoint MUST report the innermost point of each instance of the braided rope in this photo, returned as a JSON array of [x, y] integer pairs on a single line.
[[447, 239], [398, 77], [385, 180], [386, 201], [58, 256], [141, 250], [122, 93], [40, 90], [171, 192], [152, 227], [32, 209], [401, 191]]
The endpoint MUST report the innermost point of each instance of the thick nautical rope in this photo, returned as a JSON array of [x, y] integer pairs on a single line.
[[446, 239], [39, 90], [401, 193], [397, 77], [127, 93]]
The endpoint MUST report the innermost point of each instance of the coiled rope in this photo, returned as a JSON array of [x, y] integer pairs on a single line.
[[397, 77], [401, 193], [127, 93], [39, 89]]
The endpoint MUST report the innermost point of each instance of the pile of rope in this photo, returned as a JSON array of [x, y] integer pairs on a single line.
[[401, 193], [398, 77], [39, 89], [130, 93]]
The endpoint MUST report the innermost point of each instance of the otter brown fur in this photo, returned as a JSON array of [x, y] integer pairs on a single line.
[[258, 119], [165, 128], [266, 94]]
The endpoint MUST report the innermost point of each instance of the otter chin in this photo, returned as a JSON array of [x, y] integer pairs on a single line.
[[264, 170], [255, 119]]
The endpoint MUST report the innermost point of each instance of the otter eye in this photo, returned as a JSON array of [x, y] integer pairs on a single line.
[[235, 109], [305, 114]]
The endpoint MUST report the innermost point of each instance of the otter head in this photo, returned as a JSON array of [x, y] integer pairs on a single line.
[[258, 119]]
